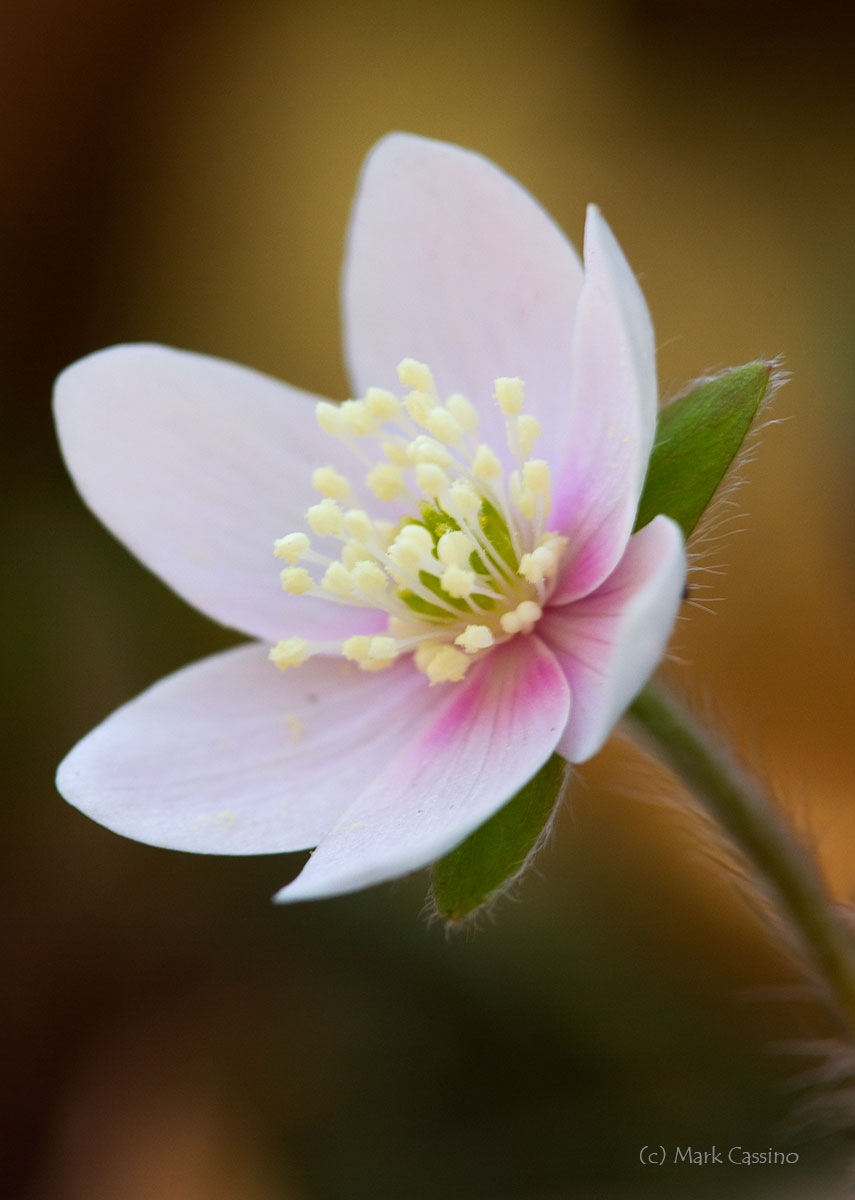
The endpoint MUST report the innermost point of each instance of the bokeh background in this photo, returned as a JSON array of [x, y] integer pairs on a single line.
[[182, 171]]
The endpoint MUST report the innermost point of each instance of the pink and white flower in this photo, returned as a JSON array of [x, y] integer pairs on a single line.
[[455, 608]]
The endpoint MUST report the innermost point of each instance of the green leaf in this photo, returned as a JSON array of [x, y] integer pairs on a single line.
[[491, 856], [697, 438]]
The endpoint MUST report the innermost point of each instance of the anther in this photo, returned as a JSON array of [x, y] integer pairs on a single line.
[[291, 547], [509, 393], [293, 652], [330, 483], [296, 580], [386, 481], [415, 375], [326, 518]]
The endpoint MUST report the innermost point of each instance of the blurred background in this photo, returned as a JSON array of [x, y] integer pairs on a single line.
[[182, 171]]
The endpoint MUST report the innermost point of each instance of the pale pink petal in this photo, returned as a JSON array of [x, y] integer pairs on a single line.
[[232, 756], [612, 416], [609, 643], [198, 465], [451, 262], [453, 769]]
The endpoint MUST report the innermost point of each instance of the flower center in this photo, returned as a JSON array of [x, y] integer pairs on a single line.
[[473, 563]]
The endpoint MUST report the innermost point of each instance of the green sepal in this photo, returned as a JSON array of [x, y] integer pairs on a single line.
[[698, 435], [497, 851]]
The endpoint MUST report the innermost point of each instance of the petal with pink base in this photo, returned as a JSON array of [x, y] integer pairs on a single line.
[[454, 768], [451, 262], [231, 756], [198, 465], [611, 419], [609, 643]]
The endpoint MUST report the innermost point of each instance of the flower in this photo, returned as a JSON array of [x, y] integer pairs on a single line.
[[456, 608]]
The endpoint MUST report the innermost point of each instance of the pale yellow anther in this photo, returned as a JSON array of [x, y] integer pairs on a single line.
[[444, 426], [354, 552], [330, 483], [382, 405], [431, 479], [510, 394], [510, 622], [386, 481], [356, 648], [530, 569], [358, 524], [446, 665], [418, 536], [542, 561], [454, 548], [420, 405], [463, 411], [331, 419], [382, 648], [413, 374], [458, 582], [485, 464], [528, 614], [291, 547], [357, 418], [384, 532], [424, 653], [326, 518], [337, 579], [293, 652], [466, 500], [370, 578], [396, 452], [429, 450], [475, 638], [296, 580], [536, 476], [528, 431], [411, 547]]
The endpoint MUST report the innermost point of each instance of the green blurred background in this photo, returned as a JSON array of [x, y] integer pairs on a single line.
[[182, 172]]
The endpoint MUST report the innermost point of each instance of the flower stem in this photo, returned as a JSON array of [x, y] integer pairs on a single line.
[[756, 827]]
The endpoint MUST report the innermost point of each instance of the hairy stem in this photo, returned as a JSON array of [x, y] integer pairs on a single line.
[[756, 827]]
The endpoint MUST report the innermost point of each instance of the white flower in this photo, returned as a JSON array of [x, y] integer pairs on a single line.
[[462, 593]]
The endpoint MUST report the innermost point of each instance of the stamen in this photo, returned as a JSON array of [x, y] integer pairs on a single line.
[[485, 464], [464, 412], [413, 374], [293, 652], [326, 519], [386, 481], [470, 567], [296, 580], [431, 479], [330, 483], [509, 393], [475, 638], [458, 582], [291, 547]]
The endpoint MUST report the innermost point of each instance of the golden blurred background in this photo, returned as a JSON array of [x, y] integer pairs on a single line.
[[182, 172]]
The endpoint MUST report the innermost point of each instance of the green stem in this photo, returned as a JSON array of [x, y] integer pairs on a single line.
[[758, 830]]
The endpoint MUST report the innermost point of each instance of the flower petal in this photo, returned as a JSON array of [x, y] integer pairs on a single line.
[[609, 643], [456, 766], [612, 416], [451, 262], [198, 465], [231, 756]]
